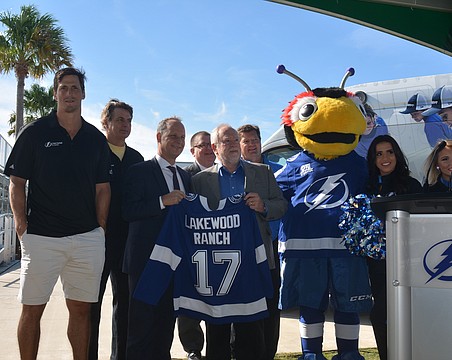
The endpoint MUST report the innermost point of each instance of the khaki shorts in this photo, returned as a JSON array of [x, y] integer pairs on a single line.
[[77, 259]]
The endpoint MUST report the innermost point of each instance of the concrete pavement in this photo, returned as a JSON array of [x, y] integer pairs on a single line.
[[54, 343]]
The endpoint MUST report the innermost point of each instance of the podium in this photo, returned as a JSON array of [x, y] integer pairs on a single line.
[[419, 274]]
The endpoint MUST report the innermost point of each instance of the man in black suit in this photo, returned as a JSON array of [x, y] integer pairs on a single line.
[[148, 192], [116, 120], [201, 149], [190, 332]]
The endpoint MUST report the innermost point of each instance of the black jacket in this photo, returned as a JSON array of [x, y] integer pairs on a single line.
[[438, 187], [143, 185], [117, 227], [386, 186]]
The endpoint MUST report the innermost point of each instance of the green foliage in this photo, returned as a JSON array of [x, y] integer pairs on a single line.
[[31, 45], [369, 354], [38, 102]]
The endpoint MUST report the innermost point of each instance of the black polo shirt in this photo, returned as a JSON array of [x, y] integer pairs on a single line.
[[117, 227], [62, 174]]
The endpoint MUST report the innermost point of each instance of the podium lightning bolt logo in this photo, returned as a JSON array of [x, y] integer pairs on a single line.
[[438, 261]]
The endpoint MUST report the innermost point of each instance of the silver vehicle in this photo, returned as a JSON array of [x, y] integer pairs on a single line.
[[388, 99]]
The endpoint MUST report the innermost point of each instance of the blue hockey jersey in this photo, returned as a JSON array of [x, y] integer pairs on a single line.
[[315, 190], [218, 261]]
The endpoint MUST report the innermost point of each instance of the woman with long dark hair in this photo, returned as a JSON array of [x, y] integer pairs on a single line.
[[389, 175]]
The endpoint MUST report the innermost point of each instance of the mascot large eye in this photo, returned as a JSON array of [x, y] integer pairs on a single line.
[[303, 109], [359, 104]]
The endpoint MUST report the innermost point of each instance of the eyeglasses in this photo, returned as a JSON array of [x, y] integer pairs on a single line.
[[228, 142], [202, 145]]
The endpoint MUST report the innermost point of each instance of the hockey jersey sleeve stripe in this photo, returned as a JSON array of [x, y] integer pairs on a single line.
[[221, 311], [260, 254], [153, 282], [326, 243], [166, 256]]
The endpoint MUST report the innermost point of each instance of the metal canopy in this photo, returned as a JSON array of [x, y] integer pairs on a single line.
[[425, 22]]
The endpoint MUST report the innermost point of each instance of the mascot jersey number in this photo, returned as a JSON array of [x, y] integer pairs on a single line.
[[316, 268]]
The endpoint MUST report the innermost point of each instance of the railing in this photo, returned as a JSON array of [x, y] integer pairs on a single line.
[[7, 239], [7, 232], [5, 150]]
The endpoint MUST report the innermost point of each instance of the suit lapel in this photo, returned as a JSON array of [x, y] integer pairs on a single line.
[[155, 168], [250, 176], [185, 178], [214, 182]]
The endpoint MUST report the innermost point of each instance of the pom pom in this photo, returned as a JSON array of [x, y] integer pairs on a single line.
[[363, 232]]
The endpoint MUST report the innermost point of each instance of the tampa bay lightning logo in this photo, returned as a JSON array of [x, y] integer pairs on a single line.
[[190, 196], [326, 193], [235, 199], [438, 261]]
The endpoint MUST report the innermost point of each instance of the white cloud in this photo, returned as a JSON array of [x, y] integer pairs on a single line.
[[213, 118], [143, 139], [373, 40]]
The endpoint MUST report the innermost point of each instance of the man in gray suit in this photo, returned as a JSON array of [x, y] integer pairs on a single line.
[[228, 177]]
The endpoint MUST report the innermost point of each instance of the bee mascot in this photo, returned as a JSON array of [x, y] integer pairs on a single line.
[[316, 269]]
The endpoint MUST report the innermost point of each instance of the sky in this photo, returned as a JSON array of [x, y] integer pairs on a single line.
[[213, 61]]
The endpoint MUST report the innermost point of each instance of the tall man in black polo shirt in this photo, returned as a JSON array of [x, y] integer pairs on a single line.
[[116, 119], [61, 224]]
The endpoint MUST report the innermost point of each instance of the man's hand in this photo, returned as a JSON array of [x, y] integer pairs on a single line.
[[18, 203], [173, 198], [254, 201], [21, 227]]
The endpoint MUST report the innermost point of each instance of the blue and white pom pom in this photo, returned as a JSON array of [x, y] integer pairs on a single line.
[[363, 232]]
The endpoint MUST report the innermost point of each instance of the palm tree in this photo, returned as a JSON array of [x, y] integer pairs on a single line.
[[31, 45], [38, 102]]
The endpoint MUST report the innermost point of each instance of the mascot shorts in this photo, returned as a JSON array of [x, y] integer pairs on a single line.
[[312, 282]]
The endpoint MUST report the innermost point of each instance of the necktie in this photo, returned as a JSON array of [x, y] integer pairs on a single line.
[[175, 181]]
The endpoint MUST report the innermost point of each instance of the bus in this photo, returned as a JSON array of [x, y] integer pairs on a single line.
[[387, 99]]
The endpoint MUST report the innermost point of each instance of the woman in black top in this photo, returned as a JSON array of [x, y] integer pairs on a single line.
[[388, 175], [438, 167]]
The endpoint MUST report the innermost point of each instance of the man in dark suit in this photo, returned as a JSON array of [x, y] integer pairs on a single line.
[[228, 177], [150, 188], [201, 149], [190, 332], [116, 119]]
